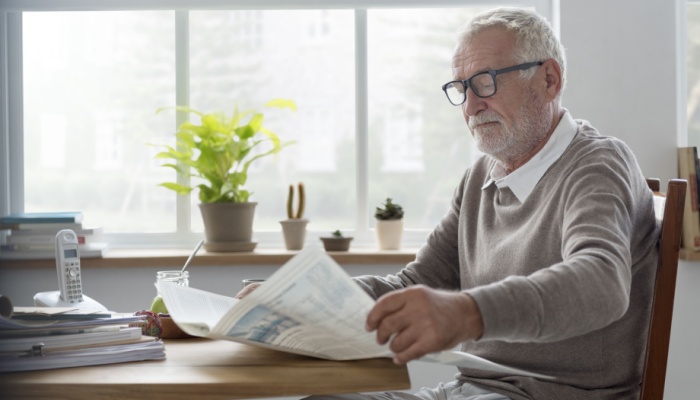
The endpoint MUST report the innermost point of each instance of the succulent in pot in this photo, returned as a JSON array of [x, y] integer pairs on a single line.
[[389, 228], [336, 242]]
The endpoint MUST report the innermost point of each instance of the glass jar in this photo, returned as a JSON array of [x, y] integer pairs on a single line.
[[179, 277]]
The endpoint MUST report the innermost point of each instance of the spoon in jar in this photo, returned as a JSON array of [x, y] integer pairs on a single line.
[[196, 249]]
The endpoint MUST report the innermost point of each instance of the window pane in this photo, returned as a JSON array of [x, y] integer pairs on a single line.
[[694, 74], [249, 57], [92, 83], [419, 143]]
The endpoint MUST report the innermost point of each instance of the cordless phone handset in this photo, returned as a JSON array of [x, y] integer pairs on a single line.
[[70, 293], [68, 267]]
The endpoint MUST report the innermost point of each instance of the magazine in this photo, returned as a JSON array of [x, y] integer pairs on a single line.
[[309, 306]]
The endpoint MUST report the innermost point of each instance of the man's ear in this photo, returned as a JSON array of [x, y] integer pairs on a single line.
[[553, 80]]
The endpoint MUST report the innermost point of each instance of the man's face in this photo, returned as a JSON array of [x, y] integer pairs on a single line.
[[514, 121]]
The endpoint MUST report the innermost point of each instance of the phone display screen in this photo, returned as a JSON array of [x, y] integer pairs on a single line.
[[70, 253]]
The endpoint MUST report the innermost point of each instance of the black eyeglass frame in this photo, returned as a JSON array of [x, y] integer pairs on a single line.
[[467, 83]]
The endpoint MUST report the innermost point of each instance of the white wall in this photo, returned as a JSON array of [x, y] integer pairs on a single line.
[[622, 78], [622, 74]]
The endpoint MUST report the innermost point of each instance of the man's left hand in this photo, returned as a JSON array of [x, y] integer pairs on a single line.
[[419, 320]]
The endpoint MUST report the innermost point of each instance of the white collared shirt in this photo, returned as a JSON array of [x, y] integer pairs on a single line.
[[523, 180]]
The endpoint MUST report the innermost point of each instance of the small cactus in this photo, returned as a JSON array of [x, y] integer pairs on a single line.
[[337, 234], [290, 202], [389, 211]]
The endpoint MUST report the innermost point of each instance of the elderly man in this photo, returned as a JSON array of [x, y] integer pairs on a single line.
[[545, 258]]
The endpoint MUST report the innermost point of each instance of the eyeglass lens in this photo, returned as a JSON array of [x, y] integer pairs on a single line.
[[482, 84]]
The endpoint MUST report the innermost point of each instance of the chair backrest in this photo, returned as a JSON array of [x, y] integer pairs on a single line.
[[656, 358]]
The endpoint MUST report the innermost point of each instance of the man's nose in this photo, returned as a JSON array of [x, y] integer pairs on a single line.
[[473, 104]]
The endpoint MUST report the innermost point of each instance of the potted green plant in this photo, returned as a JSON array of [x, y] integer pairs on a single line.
[[294, 227], [336, 242], [217, 152], [389, 228]]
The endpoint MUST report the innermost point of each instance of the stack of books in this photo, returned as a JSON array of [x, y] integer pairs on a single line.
[[36, 338], [689, 169], [33, 235]]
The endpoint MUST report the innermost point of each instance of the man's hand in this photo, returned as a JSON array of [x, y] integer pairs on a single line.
[[419, 320]]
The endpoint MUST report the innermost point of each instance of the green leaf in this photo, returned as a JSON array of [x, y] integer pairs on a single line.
[[272, 136], [282, 103], [245, 132], [255, 122], [180, 189], [176, 168]]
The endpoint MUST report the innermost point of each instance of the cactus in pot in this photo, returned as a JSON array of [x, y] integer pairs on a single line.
[[294, 227]]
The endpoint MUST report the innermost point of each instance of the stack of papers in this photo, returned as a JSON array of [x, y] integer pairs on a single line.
[[37, 339]]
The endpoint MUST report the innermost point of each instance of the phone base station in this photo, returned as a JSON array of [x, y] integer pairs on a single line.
[[53, 299]]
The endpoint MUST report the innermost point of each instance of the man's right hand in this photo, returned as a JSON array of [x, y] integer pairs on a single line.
[[419, 320]]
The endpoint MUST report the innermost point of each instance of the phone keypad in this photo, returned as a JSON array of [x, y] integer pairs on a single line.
[[74, 290]]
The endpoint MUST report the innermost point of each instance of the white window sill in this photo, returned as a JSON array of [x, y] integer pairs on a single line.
[[135, 258]]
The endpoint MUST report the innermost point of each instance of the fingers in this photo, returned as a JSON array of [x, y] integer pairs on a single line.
[[408, 345], [412, 353], [247, 290], [400, 318], [386, 307], [420, 320]]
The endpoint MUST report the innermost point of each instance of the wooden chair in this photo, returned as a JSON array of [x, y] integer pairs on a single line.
[[656, 358]]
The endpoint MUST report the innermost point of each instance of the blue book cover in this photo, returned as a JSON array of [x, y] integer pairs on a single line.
[[43, 217]]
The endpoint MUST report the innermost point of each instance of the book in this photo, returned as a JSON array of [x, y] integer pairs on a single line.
[[42, 217], [47, 239], [309, 306], [11, 252], [47, 227], [52, 230], [56, 313], [72, 340], [50, 246], [39, 359], [13, 328], [687, 157]]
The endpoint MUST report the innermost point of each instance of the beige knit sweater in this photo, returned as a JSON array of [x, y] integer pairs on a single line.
[[563, 281]]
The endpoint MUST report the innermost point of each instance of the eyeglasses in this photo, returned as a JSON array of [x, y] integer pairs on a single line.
[[482, 84]]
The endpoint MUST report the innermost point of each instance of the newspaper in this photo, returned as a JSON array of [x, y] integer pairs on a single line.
[[309, 306]]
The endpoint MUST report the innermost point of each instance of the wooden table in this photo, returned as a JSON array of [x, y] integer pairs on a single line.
[[208, 369]]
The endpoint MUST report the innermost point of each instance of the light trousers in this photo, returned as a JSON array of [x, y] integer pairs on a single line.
[[444, 391]]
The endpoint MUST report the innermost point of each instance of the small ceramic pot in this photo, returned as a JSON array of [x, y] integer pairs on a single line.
[[336, 243]]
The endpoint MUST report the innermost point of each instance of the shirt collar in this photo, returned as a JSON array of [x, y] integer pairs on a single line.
[[523, 180]]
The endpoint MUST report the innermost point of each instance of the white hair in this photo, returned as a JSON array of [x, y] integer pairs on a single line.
[[535, 39]]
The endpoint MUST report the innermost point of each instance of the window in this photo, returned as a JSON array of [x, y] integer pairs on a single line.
[[96, 109], [371, 123]]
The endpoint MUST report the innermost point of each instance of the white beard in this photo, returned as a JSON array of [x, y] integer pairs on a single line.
[[509, 144]]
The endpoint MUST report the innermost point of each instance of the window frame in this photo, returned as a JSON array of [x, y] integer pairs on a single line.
[[11, 98], [682, 71]]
